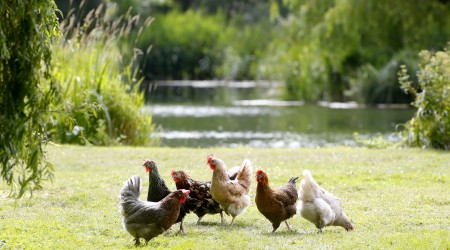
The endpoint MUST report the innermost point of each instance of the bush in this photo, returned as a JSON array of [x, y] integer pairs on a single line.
[[430, 126], [183, 45], [99, 88]]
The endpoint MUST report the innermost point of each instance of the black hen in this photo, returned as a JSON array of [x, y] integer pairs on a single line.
[[158, 190]]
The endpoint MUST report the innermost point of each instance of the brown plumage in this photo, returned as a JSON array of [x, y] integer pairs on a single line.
[[144, 219], [277, 205]]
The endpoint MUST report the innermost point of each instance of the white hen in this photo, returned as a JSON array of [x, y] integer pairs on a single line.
[[319, 206]]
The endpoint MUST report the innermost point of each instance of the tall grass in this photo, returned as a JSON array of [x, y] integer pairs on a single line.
[[98, 82]]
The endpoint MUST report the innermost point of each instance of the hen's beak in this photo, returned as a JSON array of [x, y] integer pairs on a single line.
[[186, 192]]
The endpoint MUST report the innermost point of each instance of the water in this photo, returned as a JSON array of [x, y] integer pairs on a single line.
[[272, 124]]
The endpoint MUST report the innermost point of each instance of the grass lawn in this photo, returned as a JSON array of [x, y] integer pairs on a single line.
[[397, 198]]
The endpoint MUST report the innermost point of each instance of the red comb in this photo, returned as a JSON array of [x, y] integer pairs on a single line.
[[210, 157], [259, 172], [173, 172]]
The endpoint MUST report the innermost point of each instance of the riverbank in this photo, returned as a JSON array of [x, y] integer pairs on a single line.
[[397, 198]]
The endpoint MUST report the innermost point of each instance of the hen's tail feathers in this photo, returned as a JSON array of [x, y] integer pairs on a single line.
[[293, 180], [131, 188], [308, 187], [130, 193], [232, 172], [244, 175]]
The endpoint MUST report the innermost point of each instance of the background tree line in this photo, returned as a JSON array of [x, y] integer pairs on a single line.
[[332, 50]]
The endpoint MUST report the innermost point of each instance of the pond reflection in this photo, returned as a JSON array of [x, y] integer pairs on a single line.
[[271, 126]]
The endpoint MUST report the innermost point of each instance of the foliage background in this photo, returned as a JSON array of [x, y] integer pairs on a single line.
[[26, 34], [430, 126], [87, 94], [92, 70], [333, 50]]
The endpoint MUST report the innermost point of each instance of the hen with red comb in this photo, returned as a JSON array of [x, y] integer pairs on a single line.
[[232, 195], [277, 205], [158, 190], [144, 219]]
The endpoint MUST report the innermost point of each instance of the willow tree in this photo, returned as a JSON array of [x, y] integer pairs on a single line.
[[352, 49], [27, 28]]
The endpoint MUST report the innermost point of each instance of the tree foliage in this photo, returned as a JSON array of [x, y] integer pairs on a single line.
[[430, 126], [332, 50], [337, 49], [27, 29]]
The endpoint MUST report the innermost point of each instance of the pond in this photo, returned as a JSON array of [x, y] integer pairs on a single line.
[[266, 123]]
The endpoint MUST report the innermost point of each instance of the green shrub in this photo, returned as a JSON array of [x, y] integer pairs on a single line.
[[99, 88], [371, 85], [430, 126], [183, 45]]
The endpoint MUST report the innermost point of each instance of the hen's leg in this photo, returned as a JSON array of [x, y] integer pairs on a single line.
[[199, 219], [137, 242], [287, 224], [222, 220], [181, 226], [232, 221]]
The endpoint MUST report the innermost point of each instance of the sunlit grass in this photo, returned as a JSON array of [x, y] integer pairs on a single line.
[[396, 199]]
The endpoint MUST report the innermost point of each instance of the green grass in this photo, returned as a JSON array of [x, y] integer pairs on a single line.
[[397, 199]]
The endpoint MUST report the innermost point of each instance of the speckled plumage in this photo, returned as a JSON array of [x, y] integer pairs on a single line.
[[200, 191]]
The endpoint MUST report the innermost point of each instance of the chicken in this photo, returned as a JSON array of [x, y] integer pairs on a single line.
[[232, 172], [199, 190], [232, 195], [143, 219], [277, 205], [158, 190], [321, 207]]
